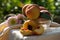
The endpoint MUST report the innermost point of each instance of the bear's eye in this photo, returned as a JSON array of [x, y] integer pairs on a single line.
[[45, 15], [29, 27]]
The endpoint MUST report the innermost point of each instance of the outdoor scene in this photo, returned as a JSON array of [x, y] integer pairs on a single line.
[[29, 19], [15, 7]]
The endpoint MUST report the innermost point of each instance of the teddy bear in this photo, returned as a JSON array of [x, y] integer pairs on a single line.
[[35, 14]]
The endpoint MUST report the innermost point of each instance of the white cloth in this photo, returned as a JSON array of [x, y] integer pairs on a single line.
[[50, 34]]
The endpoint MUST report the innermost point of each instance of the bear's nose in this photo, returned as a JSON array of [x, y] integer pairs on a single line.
[[29, 27]]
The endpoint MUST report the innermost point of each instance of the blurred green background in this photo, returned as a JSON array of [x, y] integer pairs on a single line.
[[15, 7]]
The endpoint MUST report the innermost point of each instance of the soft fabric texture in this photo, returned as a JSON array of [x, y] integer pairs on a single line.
[[6, 34]]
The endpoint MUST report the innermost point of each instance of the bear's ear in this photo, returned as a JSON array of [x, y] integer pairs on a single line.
[[45, 15]]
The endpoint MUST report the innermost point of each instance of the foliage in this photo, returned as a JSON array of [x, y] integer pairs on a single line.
[[15, 6]]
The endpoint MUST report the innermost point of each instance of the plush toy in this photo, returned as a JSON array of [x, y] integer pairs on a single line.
[[30, 27], [35, 15]]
